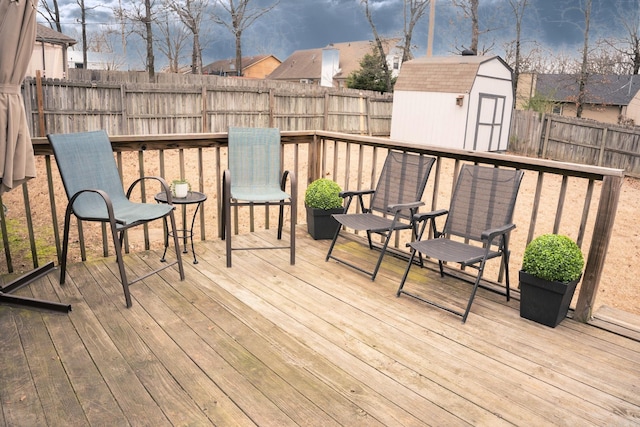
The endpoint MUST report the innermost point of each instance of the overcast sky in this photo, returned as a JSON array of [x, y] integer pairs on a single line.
[[307, 24]]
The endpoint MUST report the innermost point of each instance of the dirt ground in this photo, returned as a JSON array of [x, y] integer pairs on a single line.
[[618, 287]]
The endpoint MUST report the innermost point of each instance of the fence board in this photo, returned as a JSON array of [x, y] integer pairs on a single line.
[[576, 140]]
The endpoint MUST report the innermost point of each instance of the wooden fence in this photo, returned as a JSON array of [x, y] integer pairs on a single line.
[[576, 140], [122, 105]]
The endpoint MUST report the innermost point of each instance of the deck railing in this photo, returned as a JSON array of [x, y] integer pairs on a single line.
[[576, 200]]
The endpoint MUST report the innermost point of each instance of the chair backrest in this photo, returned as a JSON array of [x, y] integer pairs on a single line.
[[85, 161], [254, 157], [402, 180], [484, 198]]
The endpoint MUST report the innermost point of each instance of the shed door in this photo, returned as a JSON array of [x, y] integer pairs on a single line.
[[489, 125]]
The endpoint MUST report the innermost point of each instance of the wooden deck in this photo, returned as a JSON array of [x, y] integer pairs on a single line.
[[265, 343]]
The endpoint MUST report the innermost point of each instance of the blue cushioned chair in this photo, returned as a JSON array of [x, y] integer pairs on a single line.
[[254, 177], [95, 192]]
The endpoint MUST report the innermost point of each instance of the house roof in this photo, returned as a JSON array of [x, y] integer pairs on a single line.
[[450, 74], [227, 66], [307, 64], [48, 35], [604, 89]]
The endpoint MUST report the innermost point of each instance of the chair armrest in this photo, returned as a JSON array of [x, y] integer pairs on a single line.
[[489, 235], [163, 183], [351, 193], [107, 202], [429, 215], [402, 206], [288, 175]]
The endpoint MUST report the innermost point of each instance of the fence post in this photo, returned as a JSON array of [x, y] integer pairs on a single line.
[[546, 129], [602, 145], [205, 124], [609, 196]]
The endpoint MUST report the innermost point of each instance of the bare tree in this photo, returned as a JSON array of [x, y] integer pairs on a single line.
[[582, 81], [83, 26], [238, 16], [469, 10], [173, 38], [378, 44], [103, 41], [518, 7], [142, 16], [628, 45], [414, 10], [51, 13], [191, 13]]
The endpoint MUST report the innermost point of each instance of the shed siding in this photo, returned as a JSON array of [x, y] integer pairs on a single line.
[[428, 118], [633, 109]]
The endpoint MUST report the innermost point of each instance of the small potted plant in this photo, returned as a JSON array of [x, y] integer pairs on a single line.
[[551, 269], [180, 188], [322, 199]]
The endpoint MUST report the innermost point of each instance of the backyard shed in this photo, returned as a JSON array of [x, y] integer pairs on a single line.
[[462, 102]]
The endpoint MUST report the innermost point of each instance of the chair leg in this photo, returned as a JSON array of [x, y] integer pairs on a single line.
[[280, 219], [294, 216], [505, 260], [333, 243], [227, 228], [382, 252], [441, 265], [65, 246], [476, 285], [406, 272], [117, 243]]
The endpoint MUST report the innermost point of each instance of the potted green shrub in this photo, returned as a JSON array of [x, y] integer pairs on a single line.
[[551, 269], [322, 199], [180, 188]]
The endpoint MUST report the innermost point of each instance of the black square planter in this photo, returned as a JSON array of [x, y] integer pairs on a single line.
[[320, 223], [543, 301]]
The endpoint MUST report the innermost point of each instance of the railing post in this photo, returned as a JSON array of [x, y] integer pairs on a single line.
[[602, 231], [313, 171]]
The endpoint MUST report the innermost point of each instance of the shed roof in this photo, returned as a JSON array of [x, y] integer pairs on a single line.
[[450, 74], [603, 89]]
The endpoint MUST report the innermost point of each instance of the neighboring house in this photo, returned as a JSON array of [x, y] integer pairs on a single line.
[[256, 67], [609, 98], [95, 61], [49, 53], [462, 102], [330, 66]]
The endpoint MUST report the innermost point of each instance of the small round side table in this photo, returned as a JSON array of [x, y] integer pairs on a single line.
[[193, 198]]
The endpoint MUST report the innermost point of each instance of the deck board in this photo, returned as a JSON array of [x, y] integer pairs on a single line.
[[266, 343]]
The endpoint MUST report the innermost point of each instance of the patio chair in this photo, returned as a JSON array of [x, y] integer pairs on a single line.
[[392, 206], [95, 193], [476, 229], [254, 177]]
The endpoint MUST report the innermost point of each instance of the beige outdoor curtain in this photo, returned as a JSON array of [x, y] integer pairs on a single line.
[[17, 38]]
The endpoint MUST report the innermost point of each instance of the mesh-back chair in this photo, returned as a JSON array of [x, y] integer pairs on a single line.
[[95, 193], [254, 177], [392, 206], [476, 229]]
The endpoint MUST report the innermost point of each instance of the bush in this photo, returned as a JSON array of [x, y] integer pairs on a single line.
[[553, 257], [323, 194]]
